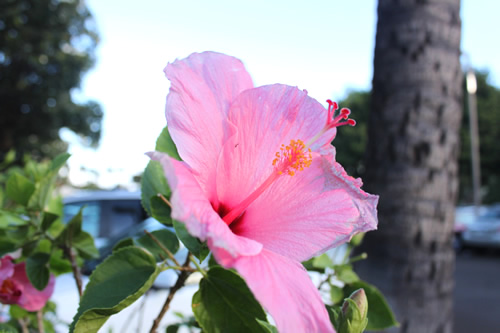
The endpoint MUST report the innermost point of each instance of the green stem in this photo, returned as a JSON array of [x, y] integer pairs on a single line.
[[178, 285], [200, 269], [39, 318], [362, 256], [180, 268], [167, 251], [24, 325], [68, 251]]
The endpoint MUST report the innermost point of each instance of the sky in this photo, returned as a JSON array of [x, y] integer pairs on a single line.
[[325, 47]]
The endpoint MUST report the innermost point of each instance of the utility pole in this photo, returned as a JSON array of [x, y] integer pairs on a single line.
[[471, 83]]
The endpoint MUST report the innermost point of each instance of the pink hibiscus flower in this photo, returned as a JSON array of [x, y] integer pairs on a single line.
[[15, 288], [259, 181]]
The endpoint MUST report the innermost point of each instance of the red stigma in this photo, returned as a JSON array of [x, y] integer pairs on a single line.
[[332, 105], [332, 121], [344, 113]]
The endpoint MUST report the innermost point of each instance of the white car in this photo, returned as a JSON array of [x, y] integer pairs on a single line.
[[110, 216], [484, 231]]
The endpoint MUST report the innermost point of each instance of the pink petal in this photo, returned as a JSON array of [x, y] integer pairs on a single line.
[[284, 289], [6, 269], [191, 206], [31, 298], [203, 86], [265, 117], [304, 215]]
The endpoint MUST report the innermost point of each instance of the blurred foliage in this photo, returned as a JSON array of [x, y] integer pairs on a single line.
[[488, 108], [32, 230], [353, 139], [45, 47]]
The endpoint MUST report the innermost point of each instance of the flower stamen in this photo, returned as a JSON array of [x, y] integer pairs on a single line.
[[293, 157]]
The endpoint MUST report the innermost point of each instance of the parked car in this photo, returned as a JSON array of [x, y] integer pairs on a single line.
[[464, 215], [110, 216], [484, 231], [107, 214]]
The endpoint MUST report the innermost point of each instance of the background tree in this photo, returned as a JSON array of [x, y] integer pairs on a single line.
[[45, 47], [353, 140], [412, 159]]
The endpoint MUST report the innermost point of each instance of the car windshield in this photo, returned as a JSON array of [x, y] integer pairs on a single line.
[[106, 218], [490, 215]]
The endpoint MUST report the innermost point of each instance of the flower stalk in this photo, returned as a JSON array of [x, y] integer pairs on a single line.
[[181, 279]]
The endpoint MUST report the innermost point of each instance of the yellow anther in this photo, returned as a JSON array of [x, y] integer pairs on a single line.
[[293, 157]]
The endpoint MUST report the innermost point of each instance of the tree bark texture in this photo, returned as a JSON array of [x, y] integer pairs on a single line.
[[411, 159]]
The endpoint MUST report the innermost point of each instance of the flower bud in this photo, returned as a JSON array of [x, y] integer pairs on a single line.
[[353, 318]]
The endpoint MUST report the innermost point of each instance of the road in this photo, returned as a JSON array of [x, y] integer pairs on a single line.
[[477, 292]]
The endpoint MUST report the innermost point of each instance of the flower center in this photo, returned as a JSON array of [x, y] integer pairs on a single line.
[[292, 158], [9, 288]]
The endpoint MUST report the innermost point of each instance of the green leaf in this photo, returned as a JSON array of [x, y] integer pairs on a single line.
[[55, 206], [17, 312], [37, 270], [6, 328], [115, 284], [165, 144], [35, 171], [194, 245], [20, 233], [225, 304], [334, 314], [268, 327], [9, 219], [8, 158], [357, 239], [153, 182], [29, 247], [58, 263], [309, 265], [58, 162], [336, 294], [380, 315], [44, 245], [123, 243], [7, 246], [212, 262], [160, 210], [48, 219], [174, 328], [72, 230], [345, 273], [19, 188], [166, 237], [43, 189], [322, 261], [83, 242]]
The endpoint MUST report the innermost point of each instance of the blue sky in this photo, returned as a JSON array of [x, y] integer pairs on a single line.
[[325, 47]]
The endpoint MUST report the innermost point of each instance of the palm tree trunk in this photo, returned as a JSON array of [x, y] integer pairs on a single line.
[[411, 159]]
